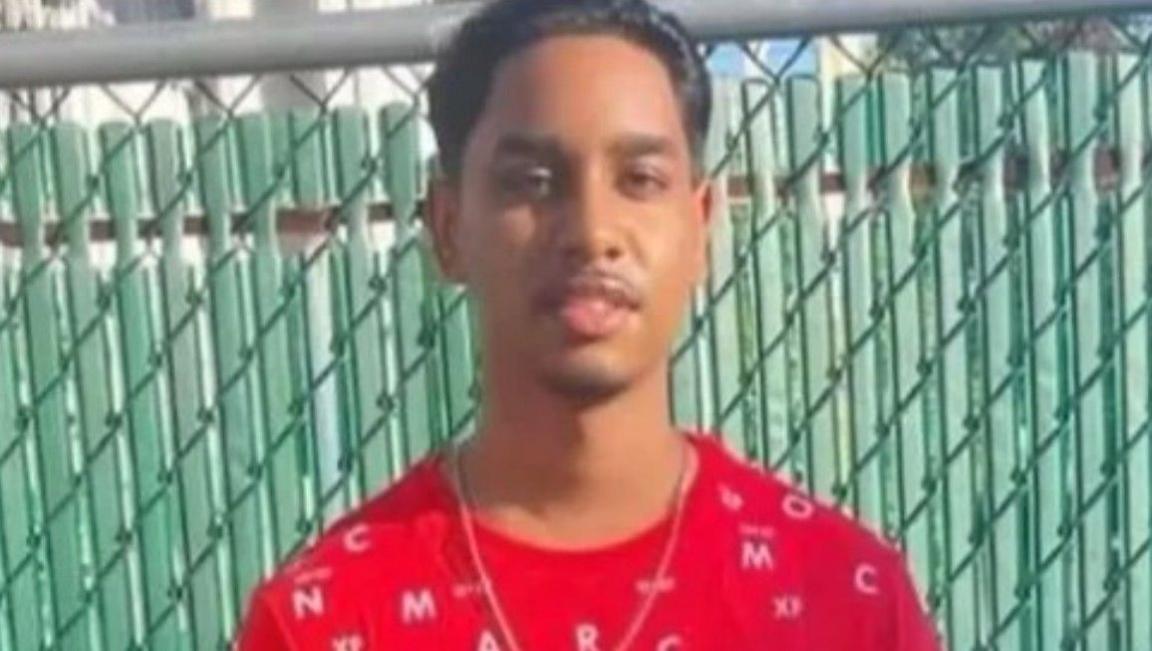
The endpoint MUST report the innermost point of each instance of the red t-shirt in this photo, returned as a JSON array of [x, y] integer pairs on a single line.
[[759, 567]]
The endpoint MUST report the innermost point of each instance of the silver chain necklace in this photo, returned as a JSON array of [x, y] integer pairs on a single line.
[[487, 585]]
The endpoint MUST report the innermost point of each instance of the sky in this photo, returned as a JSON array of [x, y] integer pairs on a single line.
[[730, 60]]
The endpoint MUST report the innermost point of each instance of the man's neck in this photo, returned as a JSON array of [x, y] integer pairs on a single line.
[[563, 475]]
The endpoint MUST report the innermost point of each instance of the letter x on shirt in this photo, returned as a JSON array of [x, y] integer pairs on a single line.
[[759, 567]]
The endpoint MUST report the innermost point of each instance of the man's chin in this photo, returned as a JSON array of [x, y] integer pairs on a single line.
[[586, 380]]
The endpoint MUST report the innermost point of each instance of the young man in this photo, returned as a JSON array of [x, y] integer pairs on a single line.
[[574, 209]]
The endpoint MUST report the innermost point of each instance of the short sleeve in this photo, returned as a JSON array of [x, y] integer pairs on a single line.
[[262, 630]]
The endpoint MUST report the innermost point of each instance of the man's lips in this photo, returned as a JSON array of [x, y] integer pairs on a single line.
[[591, 317], [608, 287], [592, 306]]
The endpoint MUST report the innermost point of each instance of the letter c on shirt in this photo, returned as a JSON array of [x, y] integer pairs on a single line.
[[670, 643], [866, 579], [355, 540]]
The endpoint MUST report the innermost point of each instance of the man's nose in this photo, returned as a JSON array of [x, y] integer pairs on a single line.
[[591, 223]]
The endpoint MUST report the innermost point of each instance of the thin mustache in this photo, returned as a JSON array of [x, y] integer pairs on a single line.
[[594, 280]]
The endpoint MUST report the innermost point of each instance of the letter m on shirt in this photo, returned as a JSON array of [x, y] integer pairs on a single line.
[[417, 606]]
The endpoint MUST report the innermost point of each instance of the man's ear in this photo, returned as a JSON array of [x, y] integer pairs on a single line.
[[704, 207], [443, 212]]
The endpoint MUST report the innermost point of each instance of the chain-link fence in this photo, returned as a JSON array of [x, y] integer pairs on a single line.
[[928, 302]]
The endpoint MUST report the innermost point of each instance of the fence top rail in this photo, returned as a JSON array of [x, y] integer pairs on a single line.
[[412, 34]]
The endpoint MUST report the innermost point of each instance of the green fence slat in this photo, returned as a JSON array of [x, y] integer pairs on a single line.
[[1114, 620], [139, 361], [19, 619], [854, 243], [194, 607], [340, 467], [996, 444], [303, 153], [721, 382], [399, 134], [280, 143], [18, 597], [306, 131], [768, 255], [740, 416], [1112, 623], [285, 474], [1091, 360], [752, 106], [1043, 237], [412, 302], [684, 375], [1015, 555], [741, 413], [968, 602], [9, 440], [239, 553], [1132, 237], [459, 360], [907, 282], [823, 446], [370, 442], [901, 454], [413, 297], [57, 515], [946, 392], [99, 501]]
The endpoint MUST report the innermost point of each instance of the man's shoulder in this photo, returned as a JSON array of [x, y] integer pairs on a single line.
[[377, 543], [762, 495], [815, 560]]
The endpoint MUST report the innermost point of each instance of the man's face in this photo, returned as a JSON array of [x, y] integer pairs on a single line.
[[577, 223]]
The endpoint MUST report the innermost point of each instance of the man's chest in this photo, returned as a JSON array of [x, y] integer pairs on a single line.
[[590, 614], [736, 581], [728, 597]]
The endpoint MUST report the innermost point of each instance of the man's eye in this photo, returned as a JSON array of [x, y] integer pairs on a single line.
[[530, 183], [642, 183]]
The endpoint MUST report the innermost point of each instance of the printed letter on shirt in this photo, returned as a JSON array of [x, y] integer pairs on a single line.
[[308, 601], [586, 636], [866, 579], [798, 507], [731, 499], [348, 643], [417, 605], [356, 539], [788, 606], [755, 555], [487, 642]]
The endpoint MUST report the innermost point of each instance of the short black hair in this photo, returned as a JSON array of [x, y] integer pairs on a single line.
[[459, 87]]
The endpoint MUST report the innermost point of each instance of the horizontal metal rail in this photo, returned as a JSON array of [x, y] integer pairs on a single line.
[[414, 33]]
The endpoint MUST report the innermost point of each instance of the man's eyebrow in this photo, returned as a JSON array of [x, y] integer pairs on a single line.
[[528, 145], [635, 145]]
